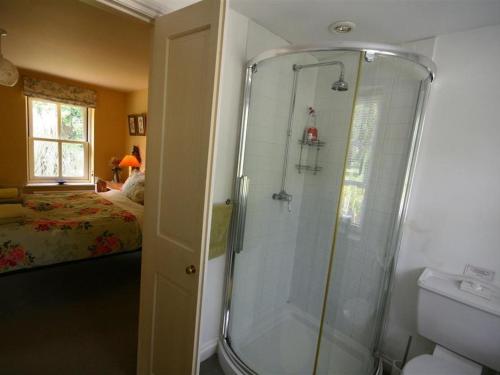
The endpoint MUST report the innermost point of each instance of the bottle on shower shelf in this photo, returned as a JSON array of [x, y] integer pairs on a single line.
[[311, 132]]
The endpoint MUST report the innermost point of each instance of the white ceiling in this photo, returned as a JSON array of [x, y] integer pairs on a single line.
[[78, 41], [384, 21]]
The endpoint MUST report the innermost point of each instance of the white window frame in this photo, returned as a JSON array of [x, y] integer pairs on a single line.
[[87, 144]]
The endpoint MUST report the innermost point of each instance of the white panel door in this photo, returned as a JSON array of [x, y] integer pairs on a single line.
[[182, 111]]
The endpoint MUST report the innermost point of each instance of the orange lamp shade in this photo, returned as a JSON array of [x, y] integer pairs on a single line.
[[130, 161]]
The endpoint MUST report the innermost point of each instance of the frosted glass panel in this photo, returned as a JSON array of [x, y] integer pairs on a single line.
[[46, 159]]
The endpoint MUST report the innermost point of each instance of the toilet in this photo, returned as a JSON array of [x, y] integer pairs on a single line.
[[462, 316]]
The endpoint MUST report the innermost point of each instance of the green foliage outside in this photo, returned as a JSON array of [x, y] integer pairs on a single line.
[[72, 125]]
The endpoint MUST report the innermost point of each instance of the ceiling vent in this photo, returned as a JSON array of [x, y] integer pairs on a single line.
[[341, 27]]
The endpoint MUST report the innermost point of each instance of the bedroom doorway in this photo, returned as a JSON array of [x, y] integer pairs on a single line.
[[70, 258], [72, 56]]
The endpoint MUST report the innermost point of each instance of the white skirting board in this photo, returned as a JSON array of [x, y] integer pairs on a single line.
[[208, 349]]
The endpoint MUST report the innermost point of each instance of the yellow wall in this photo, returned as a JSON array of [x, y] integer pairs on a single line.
[[136, 103], [109, 124], [12, 136]]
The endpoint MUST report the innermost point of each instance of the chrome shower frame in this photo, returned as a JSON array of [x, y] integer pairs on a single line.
[[370, 51]]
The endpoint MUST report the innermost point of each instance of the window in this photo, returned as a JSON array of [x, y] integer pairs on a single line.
[[60, 144], [366, 113]]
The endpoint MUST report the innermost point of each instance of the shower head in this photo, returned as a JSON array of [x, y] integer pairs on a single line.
[[340, 85]]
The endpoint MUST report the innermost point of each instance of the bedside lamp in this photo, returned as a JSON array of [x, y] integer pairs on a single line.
[[130, 161]]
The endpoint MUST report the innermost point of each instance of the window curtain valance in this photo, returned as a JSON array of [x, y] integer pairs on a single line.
[[59, 92]]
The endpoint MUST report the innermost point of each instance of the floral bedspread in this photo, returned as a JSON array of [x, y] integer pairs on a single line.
[[63, 227]]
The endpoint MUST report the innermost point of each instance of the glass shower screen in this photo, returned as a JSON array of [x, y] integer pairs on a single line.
[[312, 250]]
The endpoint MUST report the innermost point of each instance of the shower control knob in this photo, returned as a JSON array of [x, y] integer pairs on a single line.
[[191, 269]]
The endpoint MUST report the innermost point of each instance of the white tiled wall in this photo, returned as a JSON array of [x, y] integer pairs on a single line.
[[263, 269], [321, 191], [266, 262]]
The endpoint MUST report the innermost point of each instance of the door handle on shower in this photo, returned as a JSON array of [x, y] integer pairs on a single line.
[[241, 213]]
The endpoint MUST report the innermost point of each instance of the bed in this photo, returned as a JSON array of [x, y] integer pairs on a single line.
[[64, 227]]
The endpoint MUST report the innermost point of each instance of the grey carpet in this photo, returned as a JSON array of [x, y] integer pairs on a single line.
[[211, 366], [78, 318]]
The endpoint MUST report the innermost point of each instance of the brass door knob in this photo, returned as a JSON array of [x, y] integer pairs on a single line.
[[190, 269]]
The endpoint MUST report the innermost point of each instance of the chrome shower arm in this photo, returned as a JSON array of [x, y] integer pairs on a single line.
[[298, 67]]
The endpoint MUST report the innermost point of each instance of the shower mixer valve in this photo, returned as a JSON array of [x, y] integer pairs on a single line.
[[282, 196]]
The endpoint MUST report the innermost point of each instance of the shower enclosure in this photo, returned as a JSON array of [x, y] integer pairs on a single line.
[[327, 143]]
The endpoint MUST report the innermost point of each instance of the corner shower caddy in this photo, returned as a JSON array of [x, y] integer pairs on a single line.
[[307, 167]]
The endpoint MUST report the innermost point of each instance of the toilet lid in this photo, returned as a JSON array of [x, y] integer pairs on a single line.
[[427, 364]]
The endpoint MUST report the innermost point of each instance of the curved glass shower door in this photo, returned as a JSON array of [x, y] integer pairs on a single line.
[[318, 217], [281, 270], [365, 240]]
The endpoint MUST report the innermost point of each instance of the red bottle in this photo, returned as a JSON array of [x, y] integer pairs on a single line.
[[312, 134]]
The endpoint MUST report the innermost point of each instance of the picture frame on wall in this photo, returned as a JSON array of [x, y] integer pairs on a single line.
[[132, 125], [141, 124]]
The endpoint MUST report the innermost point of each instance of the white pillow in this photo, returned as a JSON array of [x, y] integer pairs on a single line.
[[133, 188]]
